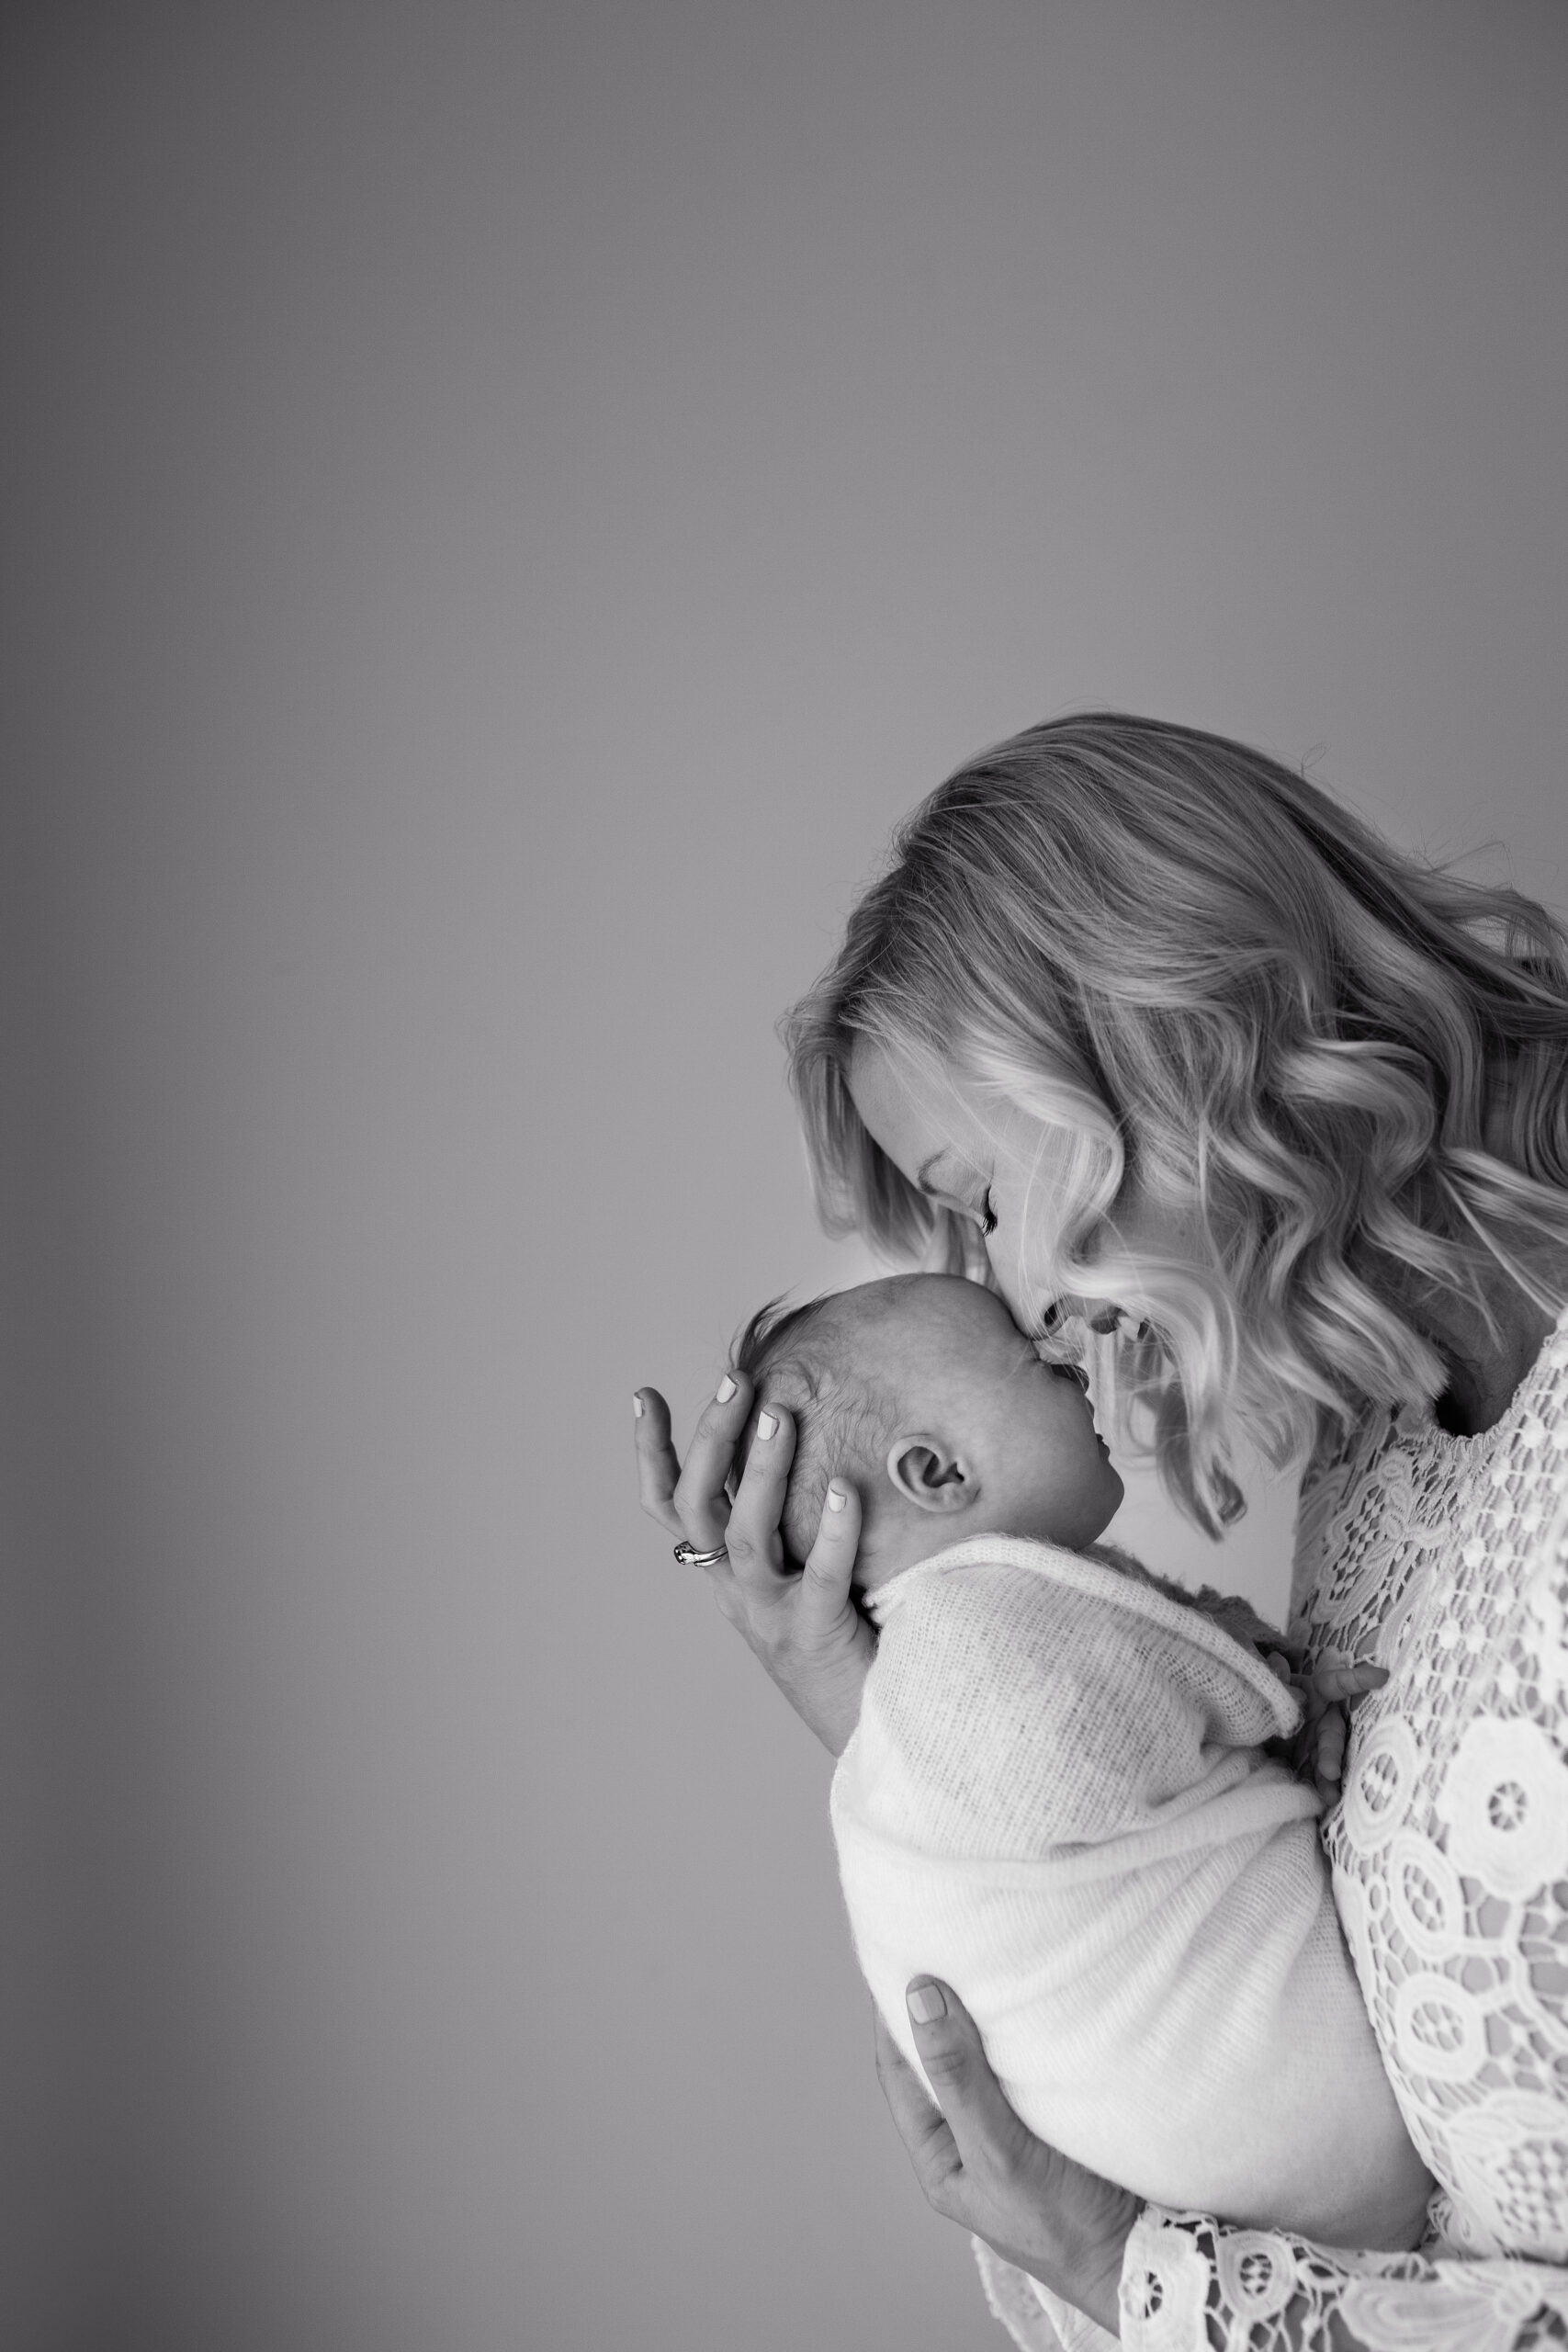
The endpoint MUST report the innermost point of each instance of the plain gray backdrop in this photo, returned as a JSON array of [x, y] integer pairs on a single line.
[[506, 505]]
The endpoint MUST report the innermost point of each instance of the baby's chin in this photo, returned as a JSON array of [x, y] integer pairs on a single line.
[[1074, 1530]]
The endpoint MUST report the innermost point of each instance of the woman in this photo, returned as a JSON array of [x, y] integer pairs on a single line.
[[1170, 1047]]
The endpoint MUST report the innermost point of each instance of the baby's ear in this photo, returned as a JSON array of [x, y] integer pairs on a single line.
[[926, 1473]]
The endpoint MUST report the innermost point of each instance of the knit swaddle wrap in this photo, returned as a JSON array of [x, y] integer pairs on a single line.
[[1056, 1799]]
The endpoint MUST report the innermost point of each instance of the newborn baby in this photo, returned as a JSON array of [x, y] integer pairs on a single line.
[[1057, 1796]]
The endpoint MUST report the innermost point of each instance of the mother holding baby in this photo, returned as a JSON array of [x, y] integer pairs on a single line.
[[1156, 1037]]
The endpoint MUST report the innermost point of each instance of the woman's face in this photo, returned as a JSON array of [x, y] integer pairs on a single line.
[[985, 1163]]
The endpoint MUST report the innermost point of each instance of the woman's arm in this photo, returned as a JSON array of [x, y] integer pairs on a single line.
[[802, 1624], [1169, 2282]]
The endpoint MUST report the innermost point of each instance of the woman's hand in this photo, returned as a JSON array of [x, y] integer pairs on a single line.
[[803, 1624], [979, 2165]]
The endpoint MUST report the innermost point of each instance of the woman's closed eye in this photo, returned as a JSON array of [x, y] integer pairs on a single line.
[[985, 1216]]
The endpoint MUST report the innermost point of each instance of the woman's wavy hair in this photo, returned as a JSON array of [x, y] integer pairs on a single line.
[[1337, 1065]]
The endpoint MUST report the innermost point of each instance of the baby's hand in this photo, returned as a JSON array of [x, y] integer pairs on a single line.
[[1327, 1696]]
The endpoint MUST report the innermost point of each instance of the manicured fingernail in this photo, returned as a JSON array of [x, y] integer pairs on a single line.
[[836, 1498], [637, 1407], [926, 2004], [766, 1425], [726, 1390]]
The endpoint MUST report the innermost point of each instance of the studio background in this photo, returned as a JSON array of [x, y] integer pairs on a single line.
[[506, 505]]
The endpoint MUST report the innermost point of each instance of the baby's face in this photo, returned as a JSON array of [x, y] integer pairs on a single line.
[[1021, 1430]]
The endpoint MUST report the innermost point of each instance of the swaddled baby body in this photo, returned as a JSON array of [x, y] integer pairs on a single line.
[[1057, 1796]]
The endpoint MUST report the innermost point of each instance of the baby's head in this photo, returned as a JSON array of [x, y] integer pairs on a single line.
[[923, 1394]]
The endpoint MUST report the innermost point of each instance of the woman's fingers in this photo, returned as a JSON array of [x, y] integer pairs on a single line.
[[922, 2127], [701, 1498], [980, 2164], [990, 2139], [756, 1547], [657, 1465], [830, 1564], [806, 1630]]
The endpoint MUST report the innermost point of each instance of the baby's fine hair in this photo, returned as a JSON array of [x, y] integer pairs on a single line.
[[804, 1359], [1337, 1063]]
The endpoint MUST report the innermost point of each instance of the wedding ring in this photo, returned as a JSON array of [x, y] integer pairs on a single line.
[[689, 1557]]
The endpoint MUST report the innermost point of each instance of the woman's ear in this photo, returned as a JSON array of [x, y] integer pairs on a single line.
[[928, 1473]]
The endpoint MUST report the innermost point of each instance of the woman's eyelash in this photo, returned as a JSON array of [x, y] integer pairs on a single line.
[[988, 1217]]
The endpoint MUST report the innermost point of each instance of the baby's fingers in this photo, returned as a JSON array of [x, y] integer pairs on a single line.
[[1328, 1756], [1337, 1685]]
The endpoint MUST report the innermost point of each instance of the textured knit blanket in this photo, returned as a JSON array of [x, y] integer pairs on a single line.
[[1056, 1799]]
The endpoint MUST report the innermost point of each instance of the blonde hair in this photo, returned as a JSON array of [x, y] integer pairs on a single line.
[[1206, 979]]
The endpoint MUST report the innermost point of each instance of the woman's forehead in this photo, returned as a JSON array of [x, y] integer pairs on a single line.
[[911, 1109], [936, 1125]]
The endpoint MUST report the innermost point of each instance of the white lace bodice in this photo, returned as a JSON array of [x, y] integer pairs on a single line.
[[1446, 1559]]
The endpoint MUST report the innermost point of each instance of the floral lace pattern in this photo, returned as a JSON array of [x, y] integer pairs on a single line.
[[1189, 2286], [1446, 1559]]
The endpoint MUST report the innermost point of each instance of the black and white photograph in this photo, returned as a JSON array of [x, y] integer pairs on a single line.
[[785, 1469]]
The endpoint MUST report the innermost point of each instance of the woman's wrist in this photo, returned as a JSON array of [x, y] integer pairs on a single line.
[[1101, 2298], [830, 1705], [1086, 2271]]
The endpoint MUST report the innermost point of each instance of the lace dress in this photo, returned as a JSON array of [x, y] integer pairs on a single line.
[[1446, 1559]]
